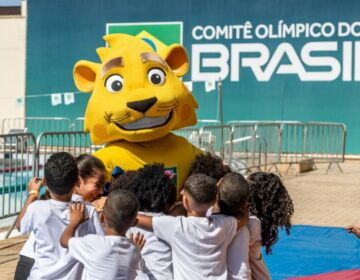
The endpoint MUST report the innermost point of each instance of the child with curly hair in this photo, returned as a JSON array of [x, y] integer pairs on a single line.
[[271, 208], [210, 165], [156, 194]]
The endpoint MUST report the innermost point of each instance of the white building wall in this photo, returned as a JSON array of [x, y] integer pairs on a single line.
[[12, 65]]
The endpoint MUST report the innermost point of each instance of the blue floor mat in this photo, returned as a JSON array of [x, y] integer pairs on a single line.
[[313, 250]]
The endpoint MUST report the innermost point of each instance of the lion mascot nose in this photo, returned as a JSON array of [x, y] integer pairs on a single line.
[[142, 105]]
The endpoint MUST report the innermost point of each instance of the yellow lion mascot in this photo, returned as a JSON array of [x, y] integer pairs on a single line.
[[137, 100]]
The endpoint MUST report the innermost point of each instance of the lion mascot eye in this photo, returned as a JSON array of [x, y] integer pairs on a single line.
[[114, 83], [156, 76]]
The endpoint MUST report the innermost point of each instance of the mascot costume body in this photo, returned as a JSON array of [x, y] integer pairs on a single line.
[[137, 100]]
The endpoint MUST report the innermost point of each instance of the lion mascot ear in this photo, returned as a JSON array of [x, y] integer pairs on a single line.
[[85, 75], [176, 57]]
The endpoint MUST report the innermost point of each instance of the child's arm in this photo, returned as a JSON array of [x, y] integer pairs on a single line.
[[77, 216], [145, 222], [34, 188]]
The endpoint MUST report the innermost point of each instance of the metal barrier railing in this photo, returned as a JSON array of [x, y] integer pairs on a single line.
[[17, 157], [36, 125], [191, 134], [216, 139], [244, 145], [73, 142], [78, 124]]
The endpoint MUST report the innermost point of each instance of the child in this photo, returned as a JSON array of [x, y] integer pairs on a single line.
[[46, 219], [91, 183], [156, 194], [198, 243], [232, 200], [112, 256], [91, 177], [212, 166], [271, 208]]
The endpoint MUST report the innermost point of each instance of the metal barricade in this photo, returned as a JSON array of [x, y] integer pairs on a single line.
[[78, 124], [72, 142], [292, 141], [191, 134], [37, 125], [216, 140], [270, 139], [242, 144], [17, 157], [325, 142], [201, 123]]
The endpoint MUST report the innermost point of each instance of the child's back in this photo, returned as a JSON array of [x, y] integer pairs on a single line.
[[156, 193], [198, 243], [113, 256], [47, 219], [105, 257]]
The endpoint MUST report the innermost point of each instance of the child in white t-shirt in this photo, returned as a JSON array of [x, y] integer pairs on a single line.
[[47, 219], [113, 256], [91, 184], [156, 194], [198, 243], [232, 201]]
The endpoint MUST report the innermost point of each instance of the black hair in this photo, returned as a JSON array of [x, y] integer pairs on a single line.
[[150, 184], [88, 166], [61, 173], [120, 210], [201, 188], [209, 165], [233, 195], [272, 204]]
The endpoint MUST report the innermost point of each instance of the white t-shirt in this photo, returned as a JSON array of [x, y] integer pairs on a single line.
[[258, 267], [238, 256], [105, 257], [198, 244], [156, 253], [28, 250], [47, 219]]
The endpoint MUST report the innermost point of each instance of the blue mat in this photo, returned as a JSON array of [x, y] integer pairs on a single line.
[[311, 250]]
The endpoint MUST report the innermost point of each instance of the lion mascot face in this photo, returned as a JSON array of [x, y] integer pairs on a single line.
[[136, 93]]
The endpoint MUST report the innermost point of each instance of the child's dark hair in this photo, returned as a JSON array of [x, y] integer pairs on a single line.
[[120, 210], [272, 204], [88, 166], [209, 165], [201, 188], [233, 195], [61, 173], [152, 187]]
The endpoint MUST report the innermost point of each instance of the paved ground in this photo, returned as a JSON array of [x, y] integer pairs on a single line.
[[319, 199], [331, 199]]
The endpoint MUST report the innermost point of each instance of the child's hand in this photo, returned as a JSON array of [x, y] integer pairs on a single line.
[[35, 184], [138, 240], [77, 213], [99, 203], [353, 229]]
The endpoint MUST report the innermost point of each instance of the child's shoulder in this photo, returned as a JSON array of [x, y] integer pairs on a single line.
[[37, 205], [223, 219]]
